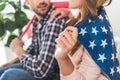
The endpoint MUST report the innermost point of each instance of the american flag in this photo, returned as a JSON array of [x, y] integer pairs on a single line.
[[97, 38]]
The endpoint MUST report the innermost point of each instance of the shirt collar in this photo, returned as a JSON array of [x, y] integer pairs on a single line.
[[46, 17]]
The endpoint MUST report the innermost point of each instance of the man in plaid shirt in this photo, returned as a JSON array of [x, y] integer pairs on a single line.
[[37, 62]]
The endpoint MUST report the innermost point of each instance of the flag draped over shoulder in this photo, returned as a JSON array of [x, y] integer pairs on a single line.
[[97, 38]]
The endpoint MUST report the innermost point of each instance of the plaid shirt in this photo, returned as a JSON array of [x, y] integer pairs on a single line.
[[39, 56]]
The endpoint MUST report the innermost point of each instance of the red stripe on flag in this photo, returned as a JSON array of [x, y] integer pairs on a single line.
[[61, 4], [27, 28]]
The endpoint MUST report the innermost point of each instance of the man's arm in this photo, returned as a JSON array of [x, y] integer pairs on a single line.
[[40, 65]]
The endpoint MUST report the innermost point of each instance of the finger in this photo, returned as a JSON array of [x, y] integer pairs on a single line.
[[60, 43], [54, 14], [14, 43], [11, 44], [73, 31], [58, 40], [65, 41], [61, 15], [4, 65], [18, 42], [69, 38]]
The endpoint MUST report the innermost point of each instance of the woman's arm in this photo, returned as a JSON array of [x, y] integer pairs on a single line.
[[66, 42], [66, 66]]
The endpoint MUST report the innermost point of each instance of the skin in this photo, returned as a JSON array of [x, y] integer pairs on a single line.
[[77, 4], [66, 41], [74, 4], [40, 7]]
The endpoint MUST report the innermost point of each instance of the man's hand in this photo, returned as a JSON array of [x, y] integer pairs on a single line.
[[6, 64], [15, 60], [17, 46], [16, 43], [61, 12]]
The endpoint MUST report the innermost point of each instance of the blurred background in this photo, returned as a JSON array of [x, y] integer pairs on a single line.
[[114, 16]]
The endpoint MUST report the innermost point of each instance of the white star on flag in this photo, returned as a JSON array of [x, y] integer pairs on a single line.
[[94, 31], [92, 44], [112, 71], [113, 57], [104, 43], [104, 30], [100, 17], [118, 69], [106, 17], [83, 31], [117, 55], [102, 57], [112, 42], [90, 21], [111, 29]]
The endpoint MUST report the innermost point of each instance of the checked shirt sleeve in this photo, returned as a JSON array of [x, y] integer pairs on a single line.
[[40, 65]]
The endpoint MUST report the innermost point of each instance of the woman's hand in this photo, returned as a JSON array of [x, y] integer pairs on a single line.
[[66, 41], [62, 12]]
